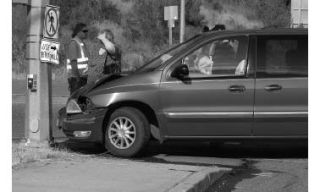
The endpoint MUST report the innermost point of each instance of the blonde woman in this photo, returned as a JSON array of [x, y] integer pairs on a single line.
[[106, 56]]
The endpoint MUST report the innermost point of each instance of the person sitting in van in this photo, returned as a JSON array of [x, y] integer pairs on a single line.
[[203, 61]]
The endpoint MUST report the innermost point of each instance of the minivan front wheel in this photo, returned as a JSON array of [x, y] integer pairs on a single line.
[[127, 132]]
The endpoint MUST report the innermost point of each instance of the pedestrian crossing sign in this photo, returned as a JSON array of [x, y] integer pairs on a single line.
[[51, 22]]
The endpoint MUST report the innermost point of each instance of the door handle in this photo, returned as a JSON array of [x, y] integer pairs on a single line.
[[273, 87], [237, 88]]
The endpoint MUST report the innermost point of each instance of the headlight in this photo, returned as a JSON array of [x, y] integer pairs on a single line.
[[73, 107], [84, 103]]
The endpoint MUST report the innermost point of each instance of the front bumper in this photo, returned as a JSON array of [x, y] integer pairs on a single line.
[[74, 125]]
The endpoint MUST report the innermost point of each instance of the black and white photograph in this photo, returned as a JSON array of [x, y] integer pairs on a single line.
[[159, 96]]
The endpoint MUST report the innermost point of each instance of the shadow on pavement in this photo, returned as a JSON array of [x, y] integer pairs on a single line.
[[254, 149]]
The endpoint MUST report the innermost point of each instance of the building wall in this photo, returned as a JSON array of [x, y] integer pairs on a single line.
[[299, 13]]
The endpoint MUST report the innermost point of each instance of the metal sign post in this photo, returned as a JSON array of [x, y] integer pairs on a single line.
[[170, 25]]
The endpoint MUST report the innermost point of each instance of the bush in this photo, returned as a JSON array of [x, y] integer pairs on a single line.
[[89, 11], [273, 13]]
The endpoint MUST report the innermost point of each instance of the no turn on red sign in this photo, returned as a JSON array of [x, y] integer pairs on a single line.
[[49, 51]]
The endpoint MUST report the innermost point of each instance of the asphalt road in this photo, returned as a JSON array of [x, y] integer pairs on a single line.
[[269, 173], [277, 175], [18, 116], [257, 166], [59, 87], [59, 90]]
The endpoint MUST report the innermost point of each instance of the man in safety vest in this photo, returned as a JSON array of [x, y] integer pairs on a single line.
[[77, 58]]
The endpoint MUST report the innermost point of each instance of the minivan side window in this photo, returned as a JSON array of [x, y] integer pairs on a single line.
[[223, 57], [282, 56]]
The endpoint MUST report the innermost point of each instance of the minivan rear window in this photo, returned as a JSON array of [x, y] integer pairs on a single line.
[[282, 56]]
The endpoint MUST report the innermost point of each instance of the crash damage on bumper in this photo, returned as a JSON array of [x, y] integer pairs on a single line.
[[86, 127], [87, 124]]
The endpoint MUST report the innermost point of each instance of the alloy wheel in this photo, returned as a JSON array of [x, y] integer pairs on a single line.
[[122, 133]]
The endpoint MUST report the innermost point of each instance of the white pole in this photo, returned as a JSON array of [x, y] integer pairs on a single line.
[[37, 119], [182, 20], [170, 31], [300, 12]]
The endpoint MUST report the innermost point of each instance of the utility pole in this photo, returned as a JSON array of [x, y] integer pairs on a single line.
[[182, 20], [38, 97]]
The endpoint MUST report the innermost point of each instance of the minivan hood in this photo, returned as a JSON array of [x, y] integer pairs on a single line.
[[127, 83], [119, 82], [89, 87]]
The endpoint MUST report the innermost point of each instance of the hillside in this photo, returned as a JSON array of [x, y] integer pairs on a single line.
[[139, 27]]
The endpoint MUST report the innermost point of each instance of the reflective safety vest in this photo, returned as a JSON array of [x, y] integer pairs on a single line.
[[82, 61]]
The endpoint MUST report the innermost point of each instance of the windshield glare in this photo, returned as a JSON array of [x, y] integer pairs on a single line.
[[162, 58]]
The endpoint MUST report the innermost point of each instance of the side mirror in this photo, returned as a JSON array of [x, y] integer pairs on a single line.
[[180, 72]]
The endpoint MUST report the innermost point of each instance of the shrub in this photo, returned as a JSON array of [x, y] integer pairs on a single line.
[[273, 13]]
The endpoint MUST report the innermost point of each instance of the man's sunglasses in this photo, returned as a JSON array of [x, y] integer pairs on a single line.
[[85, 30]]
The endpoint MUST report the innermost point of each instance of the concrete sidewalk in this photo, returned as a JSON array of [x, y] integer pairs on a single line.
[[105, 174]]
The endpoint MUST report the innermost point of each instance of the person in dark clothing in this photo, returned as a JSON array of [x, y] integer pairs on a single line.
[[77, 58], [205, 29], [112, 62], [219, 27]]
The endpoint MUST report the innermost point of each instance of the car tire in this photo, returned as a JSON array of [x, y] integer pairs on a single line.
[[127, 132]]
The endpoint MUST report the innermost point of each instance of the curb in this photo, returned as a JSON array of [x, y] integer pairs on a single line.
[[200, 181]]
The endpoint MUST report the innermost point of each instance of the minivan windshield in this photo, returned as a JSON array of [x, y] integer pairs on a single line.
[[162, 58]]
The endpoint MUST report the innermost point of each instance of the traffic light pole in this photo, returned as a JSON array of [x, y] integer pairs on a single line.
[[38, 97]]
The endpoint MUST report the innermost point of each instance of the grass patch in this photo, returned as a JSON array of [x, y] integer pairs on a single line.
[[23, 153]]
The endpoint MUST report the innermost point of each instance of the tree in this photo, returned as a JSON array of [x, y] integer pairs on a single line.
[[274, 13], [89, 11]]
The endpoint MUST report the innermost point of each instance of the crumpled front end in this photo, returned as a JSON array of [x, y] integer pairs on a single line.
[[86, 127], [81, 120]]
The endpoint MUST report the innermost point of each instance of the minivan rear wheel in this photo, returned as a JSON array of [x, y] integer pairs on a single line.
[[127, 132]]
